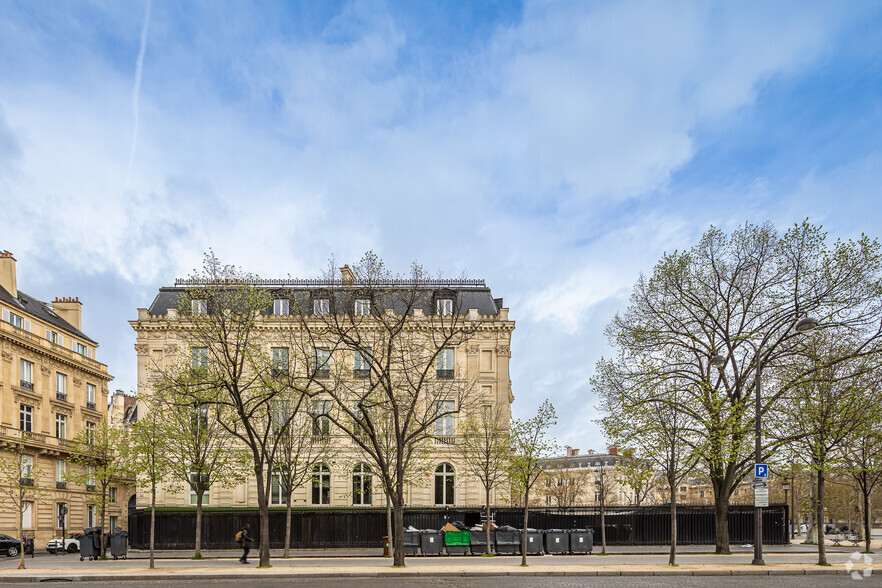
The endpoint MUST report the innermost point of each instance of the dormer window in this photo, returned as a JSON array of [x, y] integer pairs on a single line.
[[321, 306], [444, 306], [280, 306], [362, 307], [199, 307]]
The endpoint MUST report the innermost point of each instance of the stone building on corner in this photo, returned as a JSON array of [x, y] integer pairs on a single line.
[[482, 360], [51, 387]]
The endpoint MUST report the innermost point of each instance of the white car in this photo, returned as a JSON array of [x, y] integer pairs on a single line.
[[71, 545]]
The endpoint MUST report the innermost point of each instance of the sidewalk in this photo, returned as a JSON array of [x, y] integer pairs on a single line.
[[414, 569]]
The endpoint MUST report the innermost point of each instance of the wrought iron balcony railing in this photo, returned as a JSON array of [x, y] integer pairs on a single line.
[[27, 385], [444, 374]]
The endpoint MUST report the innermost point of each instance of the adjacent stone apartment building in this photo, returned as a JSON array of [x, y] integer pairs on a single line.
[[51, 387], [483, 362]]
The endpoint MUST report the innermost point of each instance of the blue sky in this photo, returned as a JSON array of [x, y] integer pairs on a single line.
[[555, 149]]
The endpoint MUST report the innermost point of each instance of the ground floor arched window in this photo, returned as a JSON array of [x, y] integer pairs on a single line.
[[444, 483], [361, 485], [321, 484]]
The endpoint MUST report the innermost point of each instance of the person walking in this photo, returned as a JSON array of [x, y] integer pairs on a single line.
[[245, 539]]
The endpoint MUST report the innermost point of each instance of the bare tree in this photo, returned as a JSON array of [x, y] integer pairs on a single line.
[[199, 450], [863, 461], [98, 452], [223, 317], [604, 481], [147, 457], [565, 482], [485, 450], [21, 485], [740, 296], [390, 346], [531, 447], [831, 403]]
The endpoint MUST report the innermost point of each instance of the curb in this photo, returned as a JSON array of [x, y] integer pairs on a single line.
[[162, 575]]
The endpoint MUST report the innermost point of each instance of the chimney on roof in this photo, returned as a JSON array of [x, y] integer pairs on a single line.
[[71, 310], [7, 273], [571, 452], [613, 450], [347, 276]]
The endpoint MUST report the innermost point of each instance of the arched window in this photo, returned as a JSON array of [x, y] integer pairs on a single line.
[[444, 484], [321, 484], [361, 485]]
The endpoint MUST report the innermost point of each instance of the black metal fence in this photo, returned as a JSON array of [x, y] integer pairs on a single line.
[[365, 527]]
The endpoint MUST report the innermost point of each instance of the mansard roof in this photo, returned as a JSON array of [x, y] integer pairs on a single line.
[[29, 305]]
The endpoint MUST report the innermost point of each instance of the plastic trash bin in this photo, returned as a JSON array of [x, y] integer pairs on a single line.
[[581, 540], [457, 542], [479, 542], [119, 543], [508, 542], [90, 543], [411, 542], [534, 541], [431, 542], [557, 541]]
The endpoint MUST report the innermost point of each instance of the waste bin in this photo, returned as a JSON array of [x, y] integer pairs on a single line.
[[431, 542], [556, 541], [90, 543], [534, 542], [411, 542], [457, 542], [508, 541], [581, 540], [119, 540], [479, 542]]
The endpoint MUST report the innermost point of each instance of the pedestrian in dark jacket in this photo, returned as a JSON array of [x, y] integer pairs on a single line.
[[245, 540]]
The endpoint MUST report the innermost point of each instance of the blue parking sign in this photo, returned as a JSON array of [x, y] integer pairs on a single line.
[[760, 470]]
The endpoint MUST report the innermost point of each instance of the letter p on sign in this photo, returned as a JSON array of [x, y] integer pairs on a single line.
[[760, 470]]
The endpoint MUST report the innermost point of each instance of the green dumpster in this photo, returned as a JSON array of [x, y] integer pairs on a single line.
[[457, 542]]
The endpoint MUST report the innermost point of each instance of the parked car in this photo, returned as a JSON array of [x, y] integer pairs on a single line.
[[10, 545], [71, 544]]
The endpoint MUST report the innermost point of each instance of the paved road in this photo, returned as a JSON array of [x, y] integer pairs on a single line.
[[513, 582]]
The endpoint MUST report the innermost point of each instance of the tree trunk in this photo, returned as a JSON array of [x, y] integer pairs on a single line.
[[822, 553], [811, 535], [672, 558], [199, 494], [263, 506], [288, 527], [868, 532], [524, 532], [21, 564], [602, 525], [103, 511], [389, 522], [487, 526], [398, 515], [152, 522], [721, 515]]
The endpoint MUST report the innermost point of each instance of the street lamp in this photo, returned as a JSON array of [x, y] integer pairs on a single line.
[[804, 325]]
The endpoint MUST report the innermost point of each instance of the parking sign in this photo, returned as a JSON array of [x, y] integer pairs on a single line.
[[760, 470]]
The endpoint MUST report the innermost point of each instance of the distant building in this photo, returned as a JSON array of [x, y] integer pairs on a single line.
[[579, 480], [123, 409], [51, 387]]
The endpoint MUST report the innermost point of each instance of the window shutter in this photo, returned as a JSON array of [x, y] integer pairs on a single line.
[[6, 315], [48, 336], [61, 339], [27, 325], [73, 345], [89, 352]]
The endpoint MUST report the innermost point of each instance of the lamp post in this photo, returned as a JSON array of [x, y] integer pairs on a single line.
[[786, 487]]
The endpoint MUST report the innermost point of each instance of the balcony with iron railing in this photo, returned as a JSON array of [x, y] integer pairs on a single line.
[[444, 374], [60, 396], [55, 348], [61, 485], [445, 440], [90, 405], [361, 374], [27, 481], [25, 385], [90, 487]]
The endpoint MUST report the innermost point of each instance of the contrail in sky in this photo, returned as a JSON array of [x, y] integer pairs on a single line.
[[139, 67]]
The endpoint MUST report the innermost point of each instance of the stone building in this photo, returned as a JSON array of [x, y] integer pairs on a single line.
[[483, 361], [51, 387], [579, 479]]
